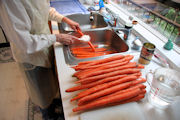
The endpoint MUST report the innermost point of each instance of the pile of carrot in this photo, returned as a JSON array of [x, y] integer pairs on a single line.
[[88, 52], [106, 82]]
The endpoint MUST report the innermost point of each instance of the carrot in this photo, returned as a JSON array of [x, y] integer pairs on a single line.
[[136, 74], [79, 52], [104, 71], [105, 64], [77, 48], [90, 55], [91, 70], [92, 62], [107, 101], [80, 32], [89, 50], [112, 83], [134, 99], [141, 86], [106, 91], [95, 62], [91, 45], [84, 62], [79, 87], [120, 72], [82, 72], [104, 86]]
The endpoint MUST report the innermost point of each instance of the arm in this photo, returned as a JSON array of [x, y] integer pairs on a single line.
[[17, 25], [54, 15]]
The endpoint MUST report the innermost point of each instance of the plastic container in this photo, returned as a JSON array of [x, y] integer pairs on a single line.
[[137, 44]]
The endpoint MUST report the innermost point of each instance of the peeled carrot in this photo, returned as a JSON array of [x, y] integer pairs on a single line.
[[107, 101], [120, 72], [90, 63], [89, 50], [134, 99], [104, 86], [80, 32], [138, 74], [141, 86], [112, 83], [104, 71], [103, 66], [106, 91], [106, 64], [82, 72], [91, 45], [77, 48], [95, 62], [79, 87]]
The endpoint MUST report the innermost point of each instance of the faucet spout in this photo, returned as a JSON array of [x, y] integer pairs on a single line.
[[126, 31]]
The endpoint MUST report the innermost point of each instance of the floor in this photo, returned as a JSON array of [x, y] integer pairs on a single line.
[[13, 95]]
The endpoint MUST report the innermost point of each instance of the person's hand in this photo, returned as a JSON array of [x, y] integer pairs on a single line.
[[66, 39], [74, 25]]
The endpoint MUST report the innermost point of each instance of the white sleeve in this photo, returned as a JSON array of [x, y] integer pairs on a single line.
[[17, 25], [54, 15]]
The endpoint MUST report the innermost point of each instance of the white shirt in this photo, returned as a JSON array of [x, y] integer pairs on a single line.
[[25, 23]]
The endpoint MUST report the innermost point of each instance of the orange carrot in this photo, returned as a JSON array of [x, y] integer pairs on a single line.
[[112, 83], [104, 71], [106, 91], [134, 99], [91, 45], [128, 58], [91, 70], [136, 74], [82, 72], [120, 72], [77, 48], [88, 50], [104, 86], [80, 32], [95, 62], [107, 101], [79, 87], [141, 86]]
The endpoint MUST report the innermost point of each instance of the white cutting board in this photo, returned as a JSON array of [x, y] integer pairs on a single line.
[[129, 111]]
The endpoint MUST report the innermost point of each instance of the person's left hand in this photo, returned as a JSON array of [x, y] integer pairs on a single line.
[[74, 25]]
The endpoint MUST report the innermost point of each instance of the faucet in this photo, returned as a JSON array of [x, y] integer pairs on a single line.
[[92, 15], [114, 17], [126, 31]]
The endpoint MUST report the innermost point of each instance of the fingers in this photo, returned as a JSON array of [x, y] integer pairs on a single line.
[[76, 27], [66, 39]]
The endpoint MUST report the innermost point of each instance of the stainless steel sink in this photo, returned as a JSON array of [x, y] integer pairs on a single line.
[[84, 22], [102, 38]]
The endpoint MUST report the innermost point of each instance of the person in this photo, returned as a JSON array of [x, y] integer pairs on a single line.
[[25, 23]]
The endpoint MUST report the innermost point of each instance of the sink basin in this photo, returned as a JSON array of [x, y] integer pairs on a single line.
[[84, 22], [103, 38]]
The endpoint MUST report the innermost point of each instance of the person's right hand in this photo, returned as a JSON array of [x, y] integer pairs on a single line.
[[66, 39], [74, 25]]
